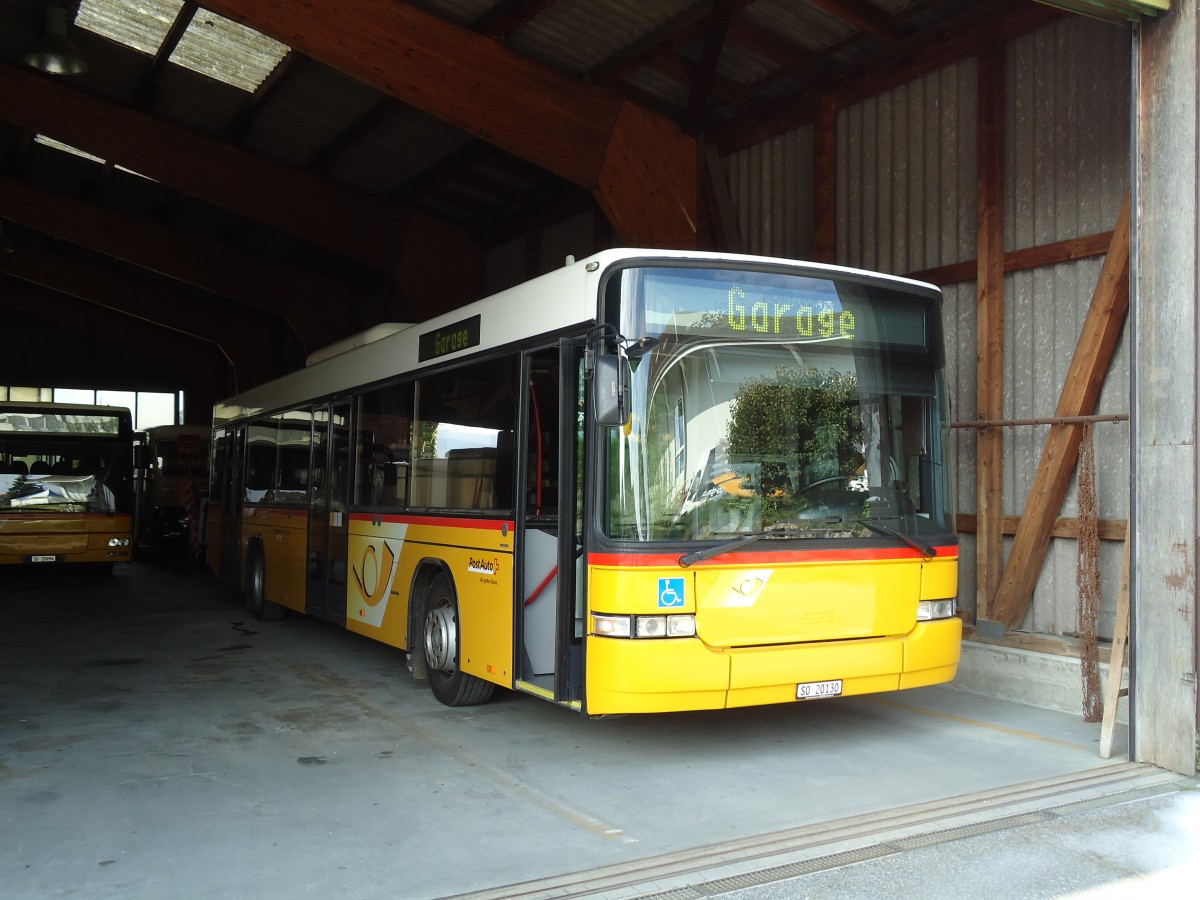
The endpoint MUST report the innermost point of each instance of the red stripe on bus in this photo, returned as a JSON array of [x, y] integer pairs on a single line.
[[745, 558]]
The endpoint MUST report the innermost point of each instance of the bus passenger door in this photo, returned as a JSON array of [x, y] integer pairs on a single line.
[[550, 608], [229, 463], [328, 518]]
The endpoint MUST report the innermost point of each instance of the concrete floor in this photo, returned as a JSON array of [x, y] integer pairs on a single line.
[[157, 742]]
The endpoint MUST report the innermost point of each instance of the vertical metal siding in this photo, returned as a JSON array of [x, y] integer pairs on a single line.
[[906, 164], [770, 186]]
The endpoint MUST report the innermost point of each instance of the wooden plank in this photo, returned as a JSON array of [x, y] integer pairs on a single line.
[[1051, 644], [581, 132], [1064, 527], [1116, 660], [729, 236], [825, 181], [352, 223], [989, 376], [1050, 254], [645, 204], [1098, 339]]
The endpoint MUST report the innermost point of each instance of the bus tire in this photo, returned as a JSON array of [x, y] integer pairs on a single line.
[[256, 590], [440, 642]]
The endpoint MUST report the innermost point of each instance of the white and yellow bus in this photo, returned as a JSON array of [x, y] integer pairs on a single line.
[[647, 481], [66, 484]]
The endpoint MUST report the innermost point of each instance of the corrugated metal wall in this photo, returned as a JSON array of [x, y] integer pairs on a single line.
[[906, 201], [771, 188]]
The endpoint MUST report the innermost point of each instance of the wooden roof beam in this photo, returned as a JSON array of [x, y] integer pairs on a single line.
[[350, 223], [641, 167], [162, 304], [864, 16], [279, 290]]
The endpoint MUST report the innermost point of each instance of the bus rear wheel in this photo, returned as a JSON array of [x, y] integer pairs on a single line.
[[256, 591], [440, 642]]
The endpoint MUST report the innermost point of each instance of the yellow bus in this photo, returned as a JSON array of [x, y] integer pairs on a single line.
[[66, 484], [647, 481]]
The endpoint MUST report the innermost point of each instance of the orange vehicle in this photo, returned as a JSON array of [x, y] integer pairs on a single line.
[[172, 484], [648, 481], [66, 484]]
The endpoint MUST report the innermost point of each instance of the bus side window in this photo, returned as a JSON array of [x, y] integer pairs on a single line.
[[381, 475]]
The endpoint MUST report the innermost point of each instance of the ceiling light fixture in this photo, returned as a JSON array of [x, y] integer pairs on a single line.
[[54, 52]]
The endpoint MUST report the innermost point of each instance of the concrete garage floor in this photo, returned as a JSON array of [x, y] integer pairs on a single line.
[[157, 742]]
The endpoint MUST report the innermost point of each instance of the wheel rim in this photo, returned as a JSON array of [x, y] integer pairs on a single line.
[[441, 637]]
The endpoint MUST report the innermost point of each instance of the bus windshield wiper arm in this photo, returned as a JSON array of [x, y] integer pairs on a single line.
[[709, 552], [927, 551]]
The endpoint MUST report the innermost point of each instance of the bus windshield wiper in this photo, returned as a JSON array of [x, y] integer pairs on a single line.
[[927, 551], [740, 541]]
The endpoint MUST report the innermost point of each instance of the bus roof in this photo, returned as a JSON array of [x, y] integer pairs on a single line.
[[550, 303]]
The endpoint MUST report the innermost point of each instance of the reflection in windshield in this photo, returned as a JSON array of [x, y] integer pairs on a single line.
[[804, 438]]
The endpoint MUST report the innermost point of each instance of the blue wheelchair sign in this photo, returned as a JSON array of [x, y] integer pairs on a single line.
[[670, 593]]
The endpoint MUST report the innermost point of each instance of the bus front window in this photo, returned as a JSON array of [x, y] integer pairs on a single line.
[[795, 413]]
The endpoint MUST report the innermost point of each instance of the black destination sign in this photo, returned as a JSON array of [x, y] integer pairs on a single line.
[[448, 339]]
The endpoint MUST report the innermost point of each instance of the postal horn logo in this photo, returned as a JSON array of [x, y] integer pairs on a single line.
[[484, 566]]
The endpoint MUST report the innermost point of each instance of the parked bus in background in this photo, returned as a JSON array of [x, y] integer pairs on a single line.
[[172, 483], [66, 484], [647, 481]]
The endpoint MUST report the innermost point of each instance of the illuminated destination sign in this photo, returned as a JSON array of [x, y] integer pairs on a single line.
[[778, 307], [783, 317], [461, 335]]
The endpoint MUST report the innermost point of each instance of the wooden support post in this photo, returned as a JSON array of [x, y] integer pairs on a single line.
[[1116, 660], [990, 333], [1101, 329], [825, 181]]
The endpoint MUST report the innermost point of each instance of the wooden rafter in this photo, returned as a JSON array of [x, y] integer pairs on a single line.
[[864, 16], [580, 132], [351, 223]]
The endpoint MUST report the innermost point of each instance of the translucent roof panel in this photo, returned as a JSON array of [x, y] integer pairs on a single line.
[[212, 45], [142, 25], [229, 52]]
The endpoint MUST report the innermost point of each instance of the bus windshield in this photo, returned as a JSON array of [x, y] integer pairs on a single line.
[[781, 404], [62, 460]]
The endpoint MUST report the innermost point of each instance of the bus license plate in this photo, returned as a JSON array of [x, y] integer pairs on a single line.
[[818, 690], [43, 558]]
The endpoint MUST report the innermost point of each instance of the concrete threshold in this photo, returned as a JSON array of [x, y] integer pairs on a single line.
[[714, 869]]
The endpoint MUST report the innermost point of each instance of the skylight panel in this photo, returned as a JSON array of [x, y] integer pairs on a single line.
[[232, 53], [211, 45], [66, 148], [83, 154], [140, 24]]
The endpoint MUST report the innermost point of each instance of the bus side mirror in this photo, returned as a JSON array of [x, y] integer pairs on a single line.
[[611, 390]]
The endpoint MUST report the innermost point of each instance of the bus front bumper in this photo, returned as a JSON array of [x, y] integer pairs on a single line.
[[632, 676]]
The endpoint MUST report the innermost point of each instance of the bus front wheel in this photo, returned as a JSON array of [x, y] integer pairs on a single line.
[[256, 591], [440, 642]]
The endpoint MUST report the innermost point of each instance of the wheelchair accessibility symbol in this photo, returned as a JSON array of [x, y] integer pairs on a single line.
[[670, 593]]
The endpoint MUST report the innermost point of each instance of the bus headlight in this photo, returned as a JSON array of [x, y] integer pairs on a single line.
[[611, 626], [936, 609], [118, 542], [644, 626]]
